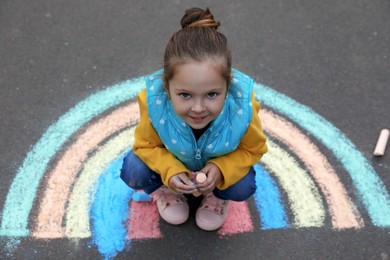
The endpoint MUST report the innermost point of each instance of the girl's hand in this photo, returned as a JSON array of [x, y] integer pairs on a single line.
[[181, 183], [214, 176]]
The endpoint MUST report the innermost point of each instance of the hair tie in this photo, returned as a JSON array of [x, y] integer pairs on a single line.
[[205, 23]]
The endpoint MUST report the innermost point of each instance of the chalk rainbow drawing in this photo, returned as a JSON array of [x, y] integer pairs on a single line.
[[78, 159]]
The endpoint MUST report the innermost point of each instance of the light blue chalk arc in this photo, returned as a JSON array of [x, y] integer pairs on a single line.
[[17, 208], [369, 186]]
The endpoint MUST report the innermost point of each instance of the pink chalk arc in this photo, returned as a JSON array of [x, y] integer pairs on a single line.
[[49, 222], [343, 212], [60, 180]]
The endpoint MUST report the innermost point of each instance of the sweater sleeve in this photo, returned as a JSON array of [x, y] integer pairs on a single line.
[[150, 149], [237, 163]]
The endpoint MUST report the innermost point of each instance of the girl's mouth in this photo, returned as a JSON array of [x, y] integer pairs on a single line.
[[197, 119]]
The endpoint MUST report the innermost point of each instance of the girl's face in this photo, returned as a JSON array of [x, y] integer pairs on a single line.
[[197, 91]]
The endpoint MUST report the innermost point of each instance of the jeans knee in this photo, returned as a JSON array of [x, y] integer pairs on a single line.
[[132, 171], [125, 170], [137, 175], [244, 194], [240, 191], [240, 194]]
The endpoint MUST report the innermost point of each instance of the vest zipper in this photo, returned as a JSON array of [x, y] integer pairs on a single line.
[[198, 152]]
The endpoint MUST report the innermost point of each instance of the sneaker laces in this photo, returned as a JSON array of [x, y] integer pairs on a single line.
[[213, 203], [166, 197]]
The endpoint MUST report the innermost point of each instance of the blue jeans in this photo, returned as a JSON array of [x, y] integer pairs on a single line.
[[137, 175]]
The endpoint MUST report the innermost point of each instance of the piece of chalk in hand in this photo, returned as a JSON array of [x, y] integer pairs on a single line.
[[382, 142], [201, 177]]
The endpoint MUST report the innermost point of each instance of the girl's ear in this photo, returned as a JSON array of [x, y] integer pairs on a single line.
[[166, 87]]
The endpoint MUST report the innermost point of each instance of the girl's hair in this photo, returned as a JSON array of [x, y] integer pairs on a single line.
[[198, 40]]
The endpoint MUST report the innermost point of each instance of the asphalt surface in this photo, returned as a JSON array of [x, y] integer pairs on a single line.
[[332, 56]]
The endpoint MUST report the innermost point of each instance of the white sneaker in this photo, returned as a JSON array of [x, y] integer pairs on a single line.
[[212, 212], [172, 206]]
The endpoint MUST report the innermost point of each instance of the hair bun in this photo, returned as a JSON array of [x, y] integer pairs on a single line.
[[197, 17]]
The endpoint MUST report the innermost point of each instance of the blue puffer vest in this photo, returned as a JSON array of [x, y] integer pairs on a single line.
[[222, 136]]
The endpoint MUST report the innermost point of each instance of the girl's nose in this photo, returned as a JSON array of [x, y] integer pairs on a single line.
[[198, 106]]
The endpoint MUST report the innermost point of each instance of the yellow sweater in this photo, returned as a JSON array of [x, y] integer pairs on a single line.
[[234, 165]]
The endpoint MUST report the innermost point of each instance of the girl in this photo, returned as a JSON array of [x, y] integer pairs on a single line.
[[197, 114]]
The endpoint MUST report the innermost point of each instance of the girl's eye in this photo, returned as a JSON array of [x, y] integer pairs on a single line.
[[212, 94], [185, 95]]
